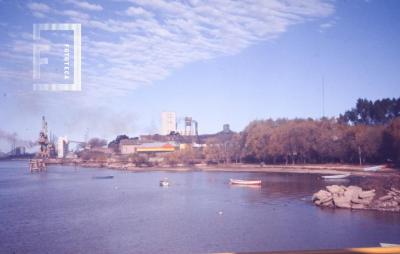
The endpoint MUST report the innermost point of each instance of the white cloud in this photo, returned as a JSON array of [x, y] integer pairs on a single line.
[[85, 5], [39, 7], [327, 25], [150, 48], [75, 14], [155, 37], [137, 11], [38, 14]]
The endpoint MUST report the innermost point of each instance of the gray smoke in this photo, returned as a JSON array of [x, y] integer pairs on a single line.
[[13, 138]]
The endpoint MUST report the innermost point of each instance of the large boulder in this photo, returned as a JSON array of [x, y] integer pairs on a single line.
[[367, 194], [363, 201], [342, 201], [322, 196], [352, 192], [355, 189], [335, 189], [385, 198]]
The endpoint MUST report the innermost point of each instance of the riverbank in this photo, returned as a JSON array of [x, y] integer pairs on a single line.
[[324, 169]]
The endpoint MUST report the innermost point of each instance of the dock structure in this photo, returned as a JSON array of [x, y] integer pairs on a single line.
[[37, 165]]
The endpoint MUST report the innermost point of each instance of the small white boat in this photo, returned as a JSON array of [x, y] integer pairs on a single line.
[[245, 182], [164, 183], [374, 168], [341, 176], [389, 244]]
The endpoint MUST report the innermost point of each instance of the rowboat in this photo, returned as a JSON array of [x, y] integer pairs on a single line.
[[389, 244], [164, 183], [245, 182], [103, 177], [341, 176]]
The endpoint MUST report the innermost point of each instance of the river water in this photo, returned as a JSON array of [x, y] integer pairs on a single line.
[[67, 210]]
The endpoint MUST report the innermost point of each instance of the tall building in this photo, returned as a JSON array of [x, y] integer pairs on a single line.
[[62, 147], [168, 122]]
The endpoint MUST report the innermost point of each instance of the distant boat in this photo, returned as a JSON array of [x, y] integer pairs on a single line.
[[164, 183], [103, 177], [341, 176], [245, 182], [389, 244], [374, 168]]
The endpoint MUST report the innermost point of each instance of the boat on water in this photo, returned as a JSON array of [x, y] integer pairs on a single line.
[[245, 182], [374, 168], [103, 177], [341, 176], [164, 182], [389, 244]]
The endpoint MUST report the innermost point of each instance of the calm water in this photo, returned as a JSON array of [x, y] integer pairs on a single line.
[[67, 211]]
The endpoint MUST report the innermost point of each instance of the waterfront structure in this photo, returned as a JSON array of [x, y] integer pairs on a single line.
[[168, 123], [128, 146], [62, 147], [157, 147]]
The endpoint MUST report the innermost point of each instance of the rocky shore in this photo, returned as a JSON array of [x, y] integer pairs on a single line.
[[354, 197]]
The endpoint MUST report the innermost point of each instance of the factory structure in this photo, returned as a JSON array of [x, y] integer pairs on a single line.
[[62, 147], [168, 123], [176, 134], [185, 126]]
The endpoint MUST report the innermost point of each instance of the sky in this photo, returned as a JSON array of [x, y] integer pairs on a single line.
[[217, 61]]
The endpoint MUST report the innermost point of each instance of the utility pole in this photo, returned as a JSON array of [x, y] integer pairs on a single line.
[[323, 97]]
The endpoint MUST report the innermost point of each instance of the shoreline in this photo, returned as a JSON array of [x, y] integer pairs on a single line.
[[320, 169]]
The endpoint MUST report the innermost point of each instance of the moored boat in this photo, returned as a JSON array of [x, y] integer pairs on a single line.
[[164, 182], [245, 182], [341, 176], [103, 177], [389, 244], [374, 168]]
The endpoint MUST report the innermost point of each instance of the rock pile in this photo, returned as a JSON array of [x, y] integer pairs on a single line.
[[389, 202], [355, 198], [344, 197]]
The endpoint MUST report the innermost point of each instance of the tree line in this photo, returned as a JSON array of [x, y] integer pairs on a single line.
[[368, 133]]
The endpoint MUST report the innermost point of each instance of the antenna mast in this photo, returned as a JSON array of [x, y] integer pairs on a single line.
[[323, 97]]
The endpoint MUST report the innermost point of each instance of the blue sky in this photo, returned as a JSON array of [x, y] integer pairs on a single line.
[[218, 61]]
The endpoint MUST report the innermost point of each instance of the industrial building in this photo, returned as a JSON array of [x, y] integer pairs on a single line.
[[185, 126], [128, 146], [157, 147], [62, 147], [168, 123], [190, 127]]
